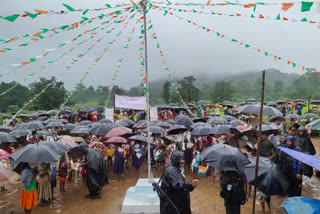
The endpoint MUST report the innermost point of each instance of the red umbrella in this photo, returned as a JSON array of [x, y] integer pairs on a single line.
[[100, 147], [117, 140], [119, 131], [4, 154]]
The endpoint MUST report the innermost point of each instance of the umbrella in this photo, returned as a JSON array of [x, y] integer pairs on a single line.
[[119, 124], [119, 131], [54, 125], [56, 146], [255, 109], [315, 102], [35, 153], [53, 112], [66, 138], [44, 114], [138, 138], [169, 139], [68, 108], [199, 124], [42, 133], [310, 115], [141, 124], [6, 138], [21, 115], [100, 109], [157, 130], [171, 121], [264, 166], [32, 125], [224, 157], [69, 126], [301, 104], [164, 125], [251, 100], [218, 105], [117, 140], [83, 110], [69, 144], [20, 133], [128, 122], [51, 120], [224, 129], [172, 104], [80, 130], [101, 129], [105, 121], [202, 102], [293, 116], [280, 119], [236, 123], [272, 104], [298, 100], [86, 123], [5, 129], [64, 121], [155, 122], [315, 125], [308, 159], [4, 154], [7, 176], [183, 120], [100, 147], [217, 120], [269, 127], [177, 129], [228, 118], [202, 131], [281, 102], [298, 205]]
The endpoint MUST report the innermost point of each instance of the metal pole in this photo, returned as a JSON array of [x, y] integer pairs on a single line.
[[259, 141], [309, 103], [143, 4]]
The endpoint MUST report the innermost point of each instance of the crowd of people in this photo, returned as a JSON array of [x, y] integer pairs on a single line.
[[172, 154]]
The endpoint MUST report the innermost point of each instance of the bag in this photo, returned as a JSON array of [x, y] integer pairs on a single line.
[[233, 192]]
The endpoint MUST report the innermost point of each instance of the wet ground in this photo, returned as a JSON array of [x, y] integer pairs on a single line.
[[204, 200]]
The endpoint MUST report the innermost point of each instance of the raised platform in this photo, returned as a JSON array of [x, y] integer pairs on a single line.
[[141, 199]]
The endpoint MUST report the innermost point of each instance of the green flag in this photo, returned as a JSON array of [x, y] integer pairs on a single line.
[[278, 17], [108, 5], [84, 12], [11, 18], [306, 6], [68, 7]]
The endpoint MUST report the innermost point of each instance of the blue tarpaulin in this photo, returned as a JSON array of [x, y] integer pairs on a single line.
[[310, 160], [298, 205]]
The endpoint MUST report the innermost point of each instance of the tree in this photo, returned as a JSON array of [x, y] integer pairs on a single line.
[[187, 90], [278, 86], [17, 96], [222, 91], [166, 92], [52, 98]]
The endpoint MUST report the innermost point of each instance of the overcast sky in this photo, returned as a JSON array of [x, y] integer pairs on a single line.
[[187, 49]]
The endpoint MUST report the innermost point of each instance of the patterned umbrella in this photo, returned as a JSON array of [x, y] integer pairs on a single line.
[[119, 131], [7, 176], [4, 154], [117, 140], [100, 147]]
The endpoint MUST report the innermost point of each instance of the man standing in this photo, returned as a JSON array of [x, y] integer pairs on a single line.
[[176, 187], [267, 148]]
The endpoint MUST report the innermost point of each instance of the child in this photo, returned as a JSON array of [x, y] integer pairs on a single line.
[[119, 158], [63, 172], [83, 172], [265, 199]]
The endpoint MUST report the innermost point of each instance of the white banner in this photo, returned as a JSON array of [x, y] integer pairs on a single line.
[[136, 103], [153, 113], [109, 114]]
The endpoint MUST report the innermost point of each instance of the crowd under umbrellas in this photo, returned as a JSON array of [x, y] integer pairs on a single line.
[[221, 143]]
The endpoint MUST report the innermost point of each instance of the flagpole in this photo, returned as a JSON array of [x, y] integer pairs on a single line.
[[259, 141], [143, 4]]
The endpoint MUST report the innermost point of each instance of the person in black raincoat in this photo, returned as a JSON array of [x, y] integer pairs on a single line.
[[303, 142], [176, 187], [96, 172]]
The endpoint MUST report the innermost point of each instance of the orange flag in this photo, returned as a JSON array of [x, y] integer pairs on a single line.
[[303, 68], [275, 58], [208, 3], [41, 11], [24, 63], [286, 6], [248, 5], [261, 16], [289, 63]]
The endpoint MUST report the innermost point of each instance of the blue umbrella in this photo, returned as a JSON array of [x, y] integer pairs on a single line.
[[310, 160], [297, 205]]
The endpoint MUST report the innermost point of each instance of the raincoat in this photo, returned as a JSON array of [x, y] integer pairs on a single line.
[[305, 145], [175, 186], [96, 172]]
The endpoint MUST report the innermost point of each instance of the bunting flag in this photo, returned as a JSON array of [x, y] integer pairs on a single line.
[[305, 6], [92, 66], [141, 60], [243, 44], [118, 65], [37, 12], [252, 16], [33, 37], [165, 65]]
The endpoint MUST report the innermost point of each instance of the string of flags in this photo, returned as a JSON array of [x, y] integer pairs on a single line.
[[252, 16], [141, 60], [243, 44], [38, 12], [34, 37], [285, 6]]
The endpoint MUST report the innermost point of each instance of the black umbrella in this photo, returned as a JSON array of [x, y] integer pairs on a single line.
[[310, 115], [164, 125], [155, 122], [56, 146], [42, 133], [264, 166], [54, 125], [83, 110], [119, 124], [183, 120], [190, 104], [172, 104], [129, 123], [171, 122], [229, 118], [293, 116], [217, 121], [202, 102], [86, 123], [5, 129], [272, 104], [315, 125], [301, 104], [6, 138], [101, 129], [141, 124], [80, 130], [177, 129], [138, 138], [69, 126], [22, 115], [315, 102], [100, 109], [35, 153], [105, 121], [281, 102], [202, 131], [20, 133], [298, 100], [169, 139], [274, 119], [224, 129], [251, 100], [51, 120], [224, 157], [269, 127], [157, 130], [255, 109], [236, 123], [44, 114], [68, 108], [35, 125], [53, 112], [200, 124]]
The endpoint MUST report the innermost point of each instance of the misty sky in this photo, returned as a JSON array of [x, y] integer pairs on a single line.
[[187, 49]]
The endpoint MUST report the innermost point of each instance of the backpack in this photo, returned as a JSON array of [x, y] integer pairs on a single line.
[[233, 188]]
